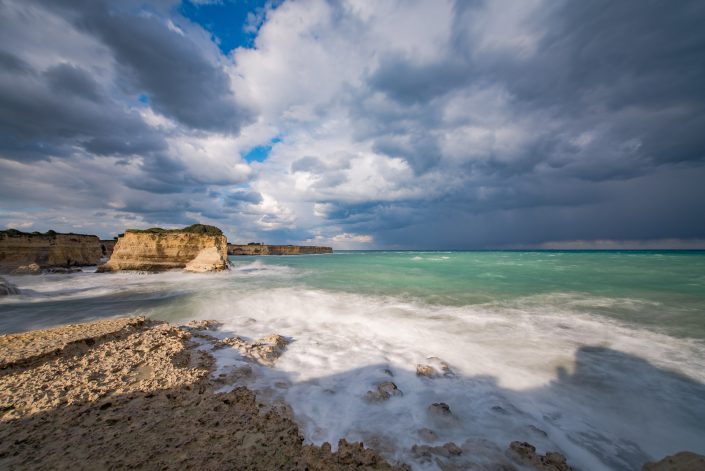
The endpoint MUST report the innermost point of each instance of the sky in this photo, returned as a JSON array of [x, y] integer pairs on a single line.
[[389, 124]]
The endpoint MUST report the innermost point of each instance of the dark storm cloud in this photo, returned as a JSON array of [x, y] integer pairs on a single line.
[[237, 198], [73, 81], [170, 67], [44, 113], [634, 68]]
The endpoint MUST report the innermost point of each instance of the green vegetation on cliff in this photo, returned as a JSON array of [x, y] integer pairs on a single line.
[[50, 233], [192, 229]]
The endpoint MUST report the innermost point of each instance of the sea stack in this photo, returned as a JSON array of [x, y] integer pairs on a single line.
[[23, 252], [196, 248]]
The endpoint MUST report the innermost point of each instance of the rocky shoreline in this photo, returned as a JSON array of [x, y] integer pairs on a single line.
[[135, 393], [131, 393]]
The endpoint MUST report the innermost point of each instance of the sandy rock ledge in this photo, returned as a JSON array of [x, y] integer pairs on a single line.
[[130, 393]]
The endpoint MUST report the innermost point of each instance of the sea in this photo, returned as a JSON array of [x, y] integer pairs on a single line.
[[599, 355]]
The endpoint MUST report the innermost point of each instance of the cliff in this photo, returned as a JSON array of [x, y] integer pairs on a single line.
[[19, 250], [261, 249], [196, 248]]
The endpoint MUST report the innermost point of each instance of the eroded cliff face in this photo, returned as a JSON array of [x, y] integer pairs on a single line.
[[145, 251], [262, 249], [19, 250]]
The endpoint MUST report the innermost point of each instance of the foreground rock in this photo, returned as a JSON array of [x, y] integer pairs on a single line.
[[196, 248], [129, 393], [264, 351], [7, 288], [526, 454], [683, 461], [262, 249], [22, 252]]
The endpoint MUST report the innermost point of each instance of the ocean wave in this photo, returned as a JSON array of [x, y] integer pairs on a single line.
[[512, 368]]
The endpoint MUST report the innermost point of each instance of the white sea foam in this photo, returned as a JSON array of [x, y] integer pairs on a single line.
[[541, 368], [592, 385]]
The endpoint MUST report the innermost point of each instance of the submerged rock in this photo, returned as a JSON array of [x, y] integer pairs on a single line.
[[525, 453], [427, 435], [440, 408], [384, 391], [7, 288], [682, 461]]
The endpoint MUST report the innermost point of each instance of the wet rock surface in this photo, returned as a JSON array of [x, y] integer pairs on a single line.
[[435, 368], [683, 461], [526, 454], [129, 393], [440, 409], [384, 391], [264, 351]]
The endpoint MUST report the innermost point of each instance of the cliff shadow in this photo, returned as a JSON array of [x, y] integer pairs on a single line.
[[609, 410]]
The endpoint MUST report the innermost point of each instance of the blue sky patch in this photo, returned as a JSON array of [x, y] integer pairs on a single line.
[[260, 153], [226, 20]]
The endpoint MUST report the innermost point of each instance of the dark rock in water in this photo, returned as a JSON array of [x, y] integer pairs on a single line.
[[427, 371], [7, 288], [384, 391], [682, 461], [525, 453], [62, 270], [452, 449], [439, 408], [432, 370]]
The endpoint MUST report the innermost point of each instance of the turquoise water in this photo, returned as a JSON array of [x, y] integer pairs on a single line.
[[664, 290], [598, 355]]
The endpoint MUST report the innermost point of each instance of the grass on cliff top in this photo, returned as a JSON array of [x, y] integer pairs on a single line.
[[50, 233], [192, 229]]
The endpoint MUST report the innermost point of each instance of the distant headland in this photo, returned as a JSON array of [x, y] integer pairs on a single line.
[[196, 248]]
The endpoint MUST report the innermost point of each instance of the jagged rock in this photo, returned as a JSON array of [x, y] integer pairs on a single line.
[[440, 408], [265, 350], [525, 453], [7, 288], [27, 253], [432, 370], [452, 448], [203, 324], [195, 248], [424, 452], [427, 371], [682, 461], [384, 391]]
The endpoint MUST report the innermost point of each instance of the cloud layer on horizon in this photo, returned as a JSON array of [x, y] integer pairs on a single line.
[[415, 124]]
